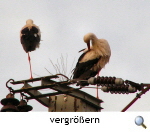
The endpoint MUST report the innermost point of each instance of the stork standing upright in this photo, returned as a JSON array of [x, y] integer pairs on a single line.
[[30, 37], [93, 59]]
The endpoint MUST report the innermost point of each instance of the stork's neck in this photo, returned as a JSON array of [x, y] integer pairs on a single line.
[[29, 25], [94, 41]]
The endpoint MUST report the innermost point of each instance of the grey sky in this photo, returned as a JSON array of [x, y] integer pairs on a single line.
[[125, 24]]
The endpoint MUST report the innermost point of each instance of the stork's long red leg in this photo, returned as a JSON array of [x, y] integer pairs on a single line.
[[30, 66], [97, 86]]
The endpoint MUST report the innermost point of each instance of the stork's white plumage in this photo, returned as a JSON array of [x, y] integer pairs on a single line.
[[30, 37], [93, 59]]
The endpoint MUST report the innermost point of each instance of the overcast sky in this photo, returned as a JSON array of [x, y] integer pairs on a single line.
[[125, 24]]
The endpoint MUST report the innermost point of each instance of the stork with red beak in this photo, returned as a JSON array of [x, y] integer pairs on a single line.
[[30, 37], [93, 59]]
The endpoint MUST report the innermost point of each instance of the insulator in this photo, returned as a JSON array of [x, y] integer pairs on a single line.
[[9, 103], [92, 81], [123, 89], [119, 81], [132, 89], [23, 107], [105, 80], [104, 89]]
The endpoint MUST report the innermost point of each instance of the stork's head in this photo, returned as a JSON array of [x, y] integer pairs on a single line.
[[29, 21], [89, 37]]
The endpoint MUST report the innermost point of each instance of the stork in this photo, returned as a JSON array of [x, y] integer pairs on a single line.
[[30, 37], [93, 59]]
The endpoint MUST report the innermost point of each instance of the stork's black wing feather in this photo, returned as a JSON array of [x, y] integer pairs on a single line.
[[30, 38], [83, 70], [26, 30]]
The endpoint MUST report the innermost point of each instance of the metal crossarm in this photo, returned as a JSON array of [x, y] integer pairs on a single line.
[[60, 87], [35, 79]]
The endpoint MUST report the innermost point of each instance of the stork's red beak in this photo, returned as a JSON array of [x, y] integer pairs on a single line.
[[88, 45]]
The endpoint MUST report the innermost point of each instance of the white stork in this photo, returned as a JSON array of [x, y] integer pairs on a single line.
[[93, 59], [30, 37]]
